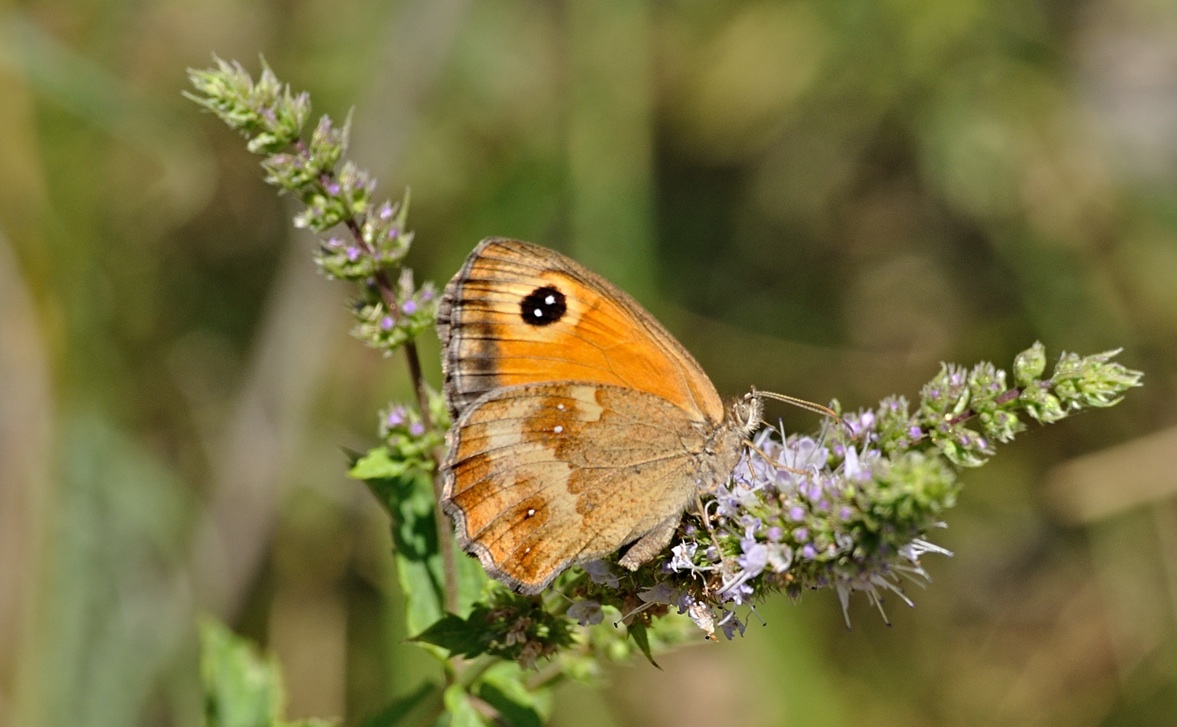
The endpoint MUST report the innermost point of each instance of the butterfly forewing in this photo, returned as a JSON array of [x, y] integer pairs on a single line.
[[586, 329]]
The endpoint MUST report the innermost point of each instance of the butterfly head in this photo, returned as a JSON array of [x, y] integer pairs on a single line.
[[747, 411]]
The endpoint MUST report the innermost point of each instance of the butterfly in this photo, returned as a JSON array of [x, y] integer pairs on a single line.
[[580, 424]]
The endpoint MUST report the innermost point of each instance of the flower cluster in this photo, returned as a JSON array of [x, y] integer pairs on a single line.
[[266, 113], [386, 319], [851, 508], [366, 242], [381, 242], [803, 513], [507, 626]]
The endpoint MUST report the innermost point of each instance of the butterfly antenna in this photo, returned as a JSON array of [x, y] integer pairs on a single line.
[[808, 406]]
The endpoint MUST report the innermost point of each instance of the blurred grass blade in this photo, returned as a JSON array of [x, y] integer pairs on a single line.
[[241, 689]]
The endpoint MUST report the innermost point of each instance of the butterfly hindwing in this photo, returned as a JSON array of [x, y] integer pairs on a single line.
[[526, 461]]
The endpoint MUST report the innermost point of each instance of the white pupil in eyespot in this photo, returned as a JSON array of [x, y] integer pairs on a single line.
[[550, 300]]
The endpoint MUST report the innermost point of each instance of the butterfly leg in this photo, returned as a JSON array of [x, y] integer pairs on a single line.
[[653, 543]]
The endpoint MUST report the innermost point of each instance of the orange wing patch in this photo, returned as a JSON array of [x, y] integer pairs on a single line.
[[516, 316]]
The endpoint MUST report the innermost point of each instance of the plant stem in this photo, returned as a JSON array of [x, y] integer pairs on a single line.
[[445, 538], [445, 534]]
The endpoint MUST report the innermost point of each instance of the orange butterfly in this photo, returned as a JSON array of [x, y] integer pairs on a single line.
[[580, 424]]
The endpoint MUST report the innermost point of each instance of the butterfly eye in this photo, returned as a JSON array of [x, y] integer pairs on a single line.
[[747, 411], [543, 306]]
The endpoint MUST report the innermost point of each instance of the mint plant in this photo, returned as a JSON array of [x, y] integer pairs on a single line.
[[851, 507]]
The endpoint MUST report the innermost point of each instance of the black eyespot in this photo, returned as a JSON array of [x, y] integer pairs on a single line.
[[543, 306]]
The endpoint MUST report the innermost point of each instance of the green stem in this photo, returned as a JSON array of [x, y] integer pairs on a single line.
[[388, 294]]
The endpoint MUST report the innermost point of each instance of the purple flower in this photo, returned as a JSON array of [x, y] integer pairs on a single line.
[[796, 513], [601, 574], [731, 625], [862, 423], [684, 555], [409, 307], [416, 429], [660, 593], [755, 558], [738, 591], [396, 417], [808, 552], [780, 557], [586, 613], [811, 489], [353, 253], [386, 323]]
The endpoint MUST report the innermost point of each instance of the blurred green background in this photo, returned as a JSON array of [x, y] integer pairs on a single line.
[[821, 198]]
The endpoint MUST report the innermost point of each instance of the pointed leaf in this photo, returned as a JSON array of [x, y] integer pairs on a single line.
[[638, 631], [456, 635], [504, 688], [462, 712], [241, 689]]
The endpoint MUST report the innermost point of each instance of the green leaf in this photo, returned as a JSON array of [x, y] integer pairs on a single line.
[[241, 689], [462, 712], [378, 464], [407, 494], [503, 687], [456, 635], [511, 712], [409, 501], [638, 631]]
